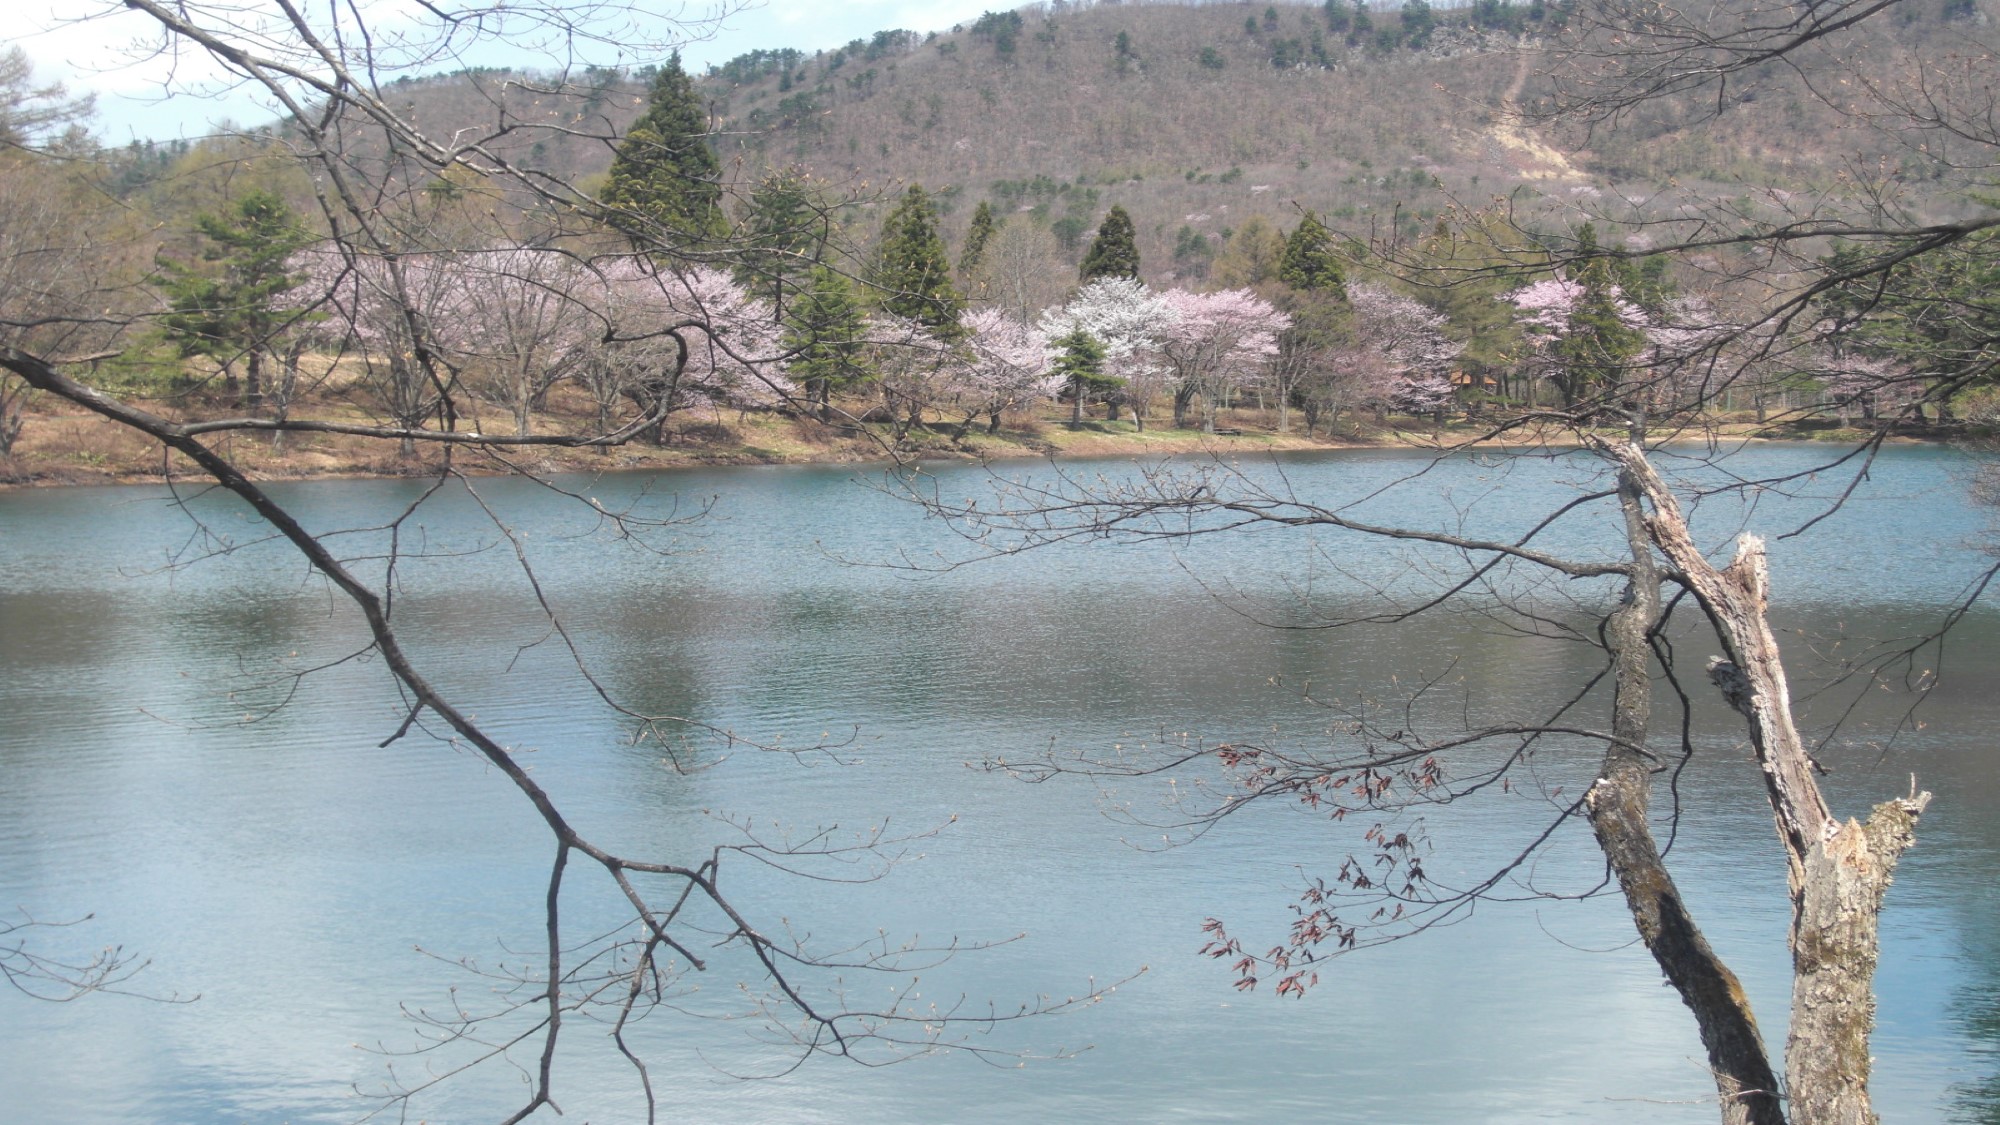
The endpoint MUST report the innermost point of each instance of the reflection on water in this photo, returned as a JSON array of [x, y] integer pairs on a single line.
[[288, 869]]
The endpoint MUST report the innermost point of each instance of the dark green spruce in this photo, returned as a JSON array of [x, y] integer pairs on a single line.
[[1115, 253], [911, 273], [1309, 263], [664, 179], [227, 306], [782, 231], [823, 328]]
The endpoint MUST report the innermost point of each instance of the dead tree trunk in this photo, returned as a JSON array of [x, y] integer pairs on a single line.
[[1618, 804], [1839, 871]]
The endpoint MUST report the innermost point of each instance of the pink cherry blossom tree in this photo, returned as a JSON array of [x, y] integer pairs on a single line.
[[1405, 341], [635, 352], [1217, 343], [517, 322], [914, 370], [668, 339], [1578, 334], [734, 352], [398, 312], [1872, 385], [1005, 363], [1692, 351], [1349, 375], [1543, 307], [507, 324], [1424, 394]]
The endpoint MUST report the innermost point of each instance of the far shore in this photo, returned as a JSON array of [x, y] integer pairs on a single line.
[[76, 448]]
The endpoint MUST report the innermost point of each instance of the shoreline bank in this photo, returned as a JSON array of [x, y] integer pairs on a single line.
[[79, 449]]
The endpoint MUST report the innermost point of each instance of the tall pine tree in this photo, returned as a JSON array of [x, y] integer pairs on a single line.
[[783, 229], [229, 309], [1115, 253], [1308, 264], [664, 174], [911, 273], [823, 330], [973, 254]]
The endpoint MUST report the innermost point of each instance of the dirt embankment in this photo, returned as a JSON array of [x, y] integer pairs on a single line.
[[73, 447]]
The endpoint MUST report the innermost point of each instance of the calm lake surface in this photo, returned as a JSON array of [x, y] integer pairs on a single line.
[[309, 885]]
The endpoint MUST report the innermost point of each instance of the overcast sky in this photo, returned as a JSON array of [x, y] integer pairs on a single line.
[[96, 55]]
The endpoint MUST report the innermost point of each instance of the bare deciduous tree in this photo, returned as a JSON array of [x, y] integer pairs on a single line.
[[59, 253], [1022, 272]]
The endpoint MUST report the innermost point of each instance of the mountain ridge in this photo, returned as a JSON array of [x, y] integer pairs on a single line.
[[1199, 118]]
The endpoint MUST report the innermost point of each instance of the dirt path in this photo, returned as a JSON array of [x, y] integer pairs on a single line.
[[1536, 160]]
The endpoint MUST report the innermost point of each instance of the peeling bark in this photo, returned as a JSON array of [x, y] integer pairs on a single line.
[[1834, 952], [1839, 871], [1617, 803]]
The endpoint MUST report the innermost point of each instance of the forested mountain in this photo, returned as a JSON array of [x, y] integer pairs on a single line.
[[1211, 139], [1197, 117]]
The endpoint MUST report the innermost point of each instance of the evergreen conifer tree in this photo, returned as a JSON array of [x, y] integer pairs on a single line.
[[1080, 363], [973, 254], [911, 272], [1645, 282], [783, 229], [1115, 253], [663, 172], [1361, 27], [229, 311], [1598, 345], [1125, 54], [1308, 264], [823, 330], [1481, 254], [1418, 23]]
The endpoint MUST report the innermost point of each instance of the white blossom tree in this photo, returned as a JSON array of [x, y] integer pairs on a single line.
[[1131, 323]]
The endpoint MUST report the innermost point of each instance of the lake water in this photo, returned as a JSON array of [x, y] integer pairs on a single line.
[[309, 885]]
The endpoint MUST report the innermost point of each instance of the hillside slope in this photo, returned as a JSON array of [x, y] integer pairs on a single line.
[[1196, 118], [1188, 125]]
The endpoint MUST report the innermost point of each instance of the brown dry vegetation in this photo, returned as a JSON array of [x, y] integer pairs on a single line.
[[1064, 126], [71, 447], [62, 445]]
